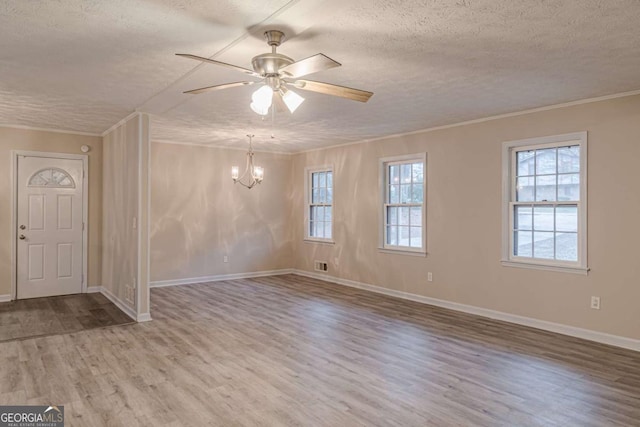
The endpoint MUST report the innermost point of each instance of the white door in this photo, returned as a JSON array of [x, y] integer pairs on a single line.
[[49, 247]]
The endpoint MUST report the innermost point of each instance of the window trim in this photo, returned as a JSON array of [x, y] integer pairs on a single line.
[[508, 171], [307, 205], [382, 211]]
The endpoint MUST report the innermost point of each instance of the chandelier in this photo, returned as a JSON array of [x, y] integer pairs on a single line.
[[252, 175]]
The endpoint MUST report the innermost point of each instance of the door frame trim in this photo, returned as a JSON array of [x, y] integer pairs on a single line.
[[14, 211]]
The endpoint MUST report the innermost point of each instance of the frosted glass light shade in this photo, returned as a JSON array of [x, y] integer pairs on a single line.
[[263, 96], [292, 100], [260, 109]]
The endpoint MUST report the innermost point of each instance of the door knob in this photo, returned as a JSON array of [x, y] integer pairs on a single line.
[[22, 237], [22, 227]]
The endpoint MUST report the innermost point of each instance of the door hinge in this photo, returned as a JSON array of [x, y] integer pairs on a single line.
[[83, 226]]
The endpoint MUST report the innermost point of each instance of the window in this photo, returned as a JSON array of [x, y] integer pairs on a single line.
[[403, 212], [545, 202], [51, 178], [319, 212]]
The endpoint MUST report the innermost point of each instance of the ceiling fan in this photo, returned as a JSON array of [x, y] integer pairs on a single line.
[[279, 73]]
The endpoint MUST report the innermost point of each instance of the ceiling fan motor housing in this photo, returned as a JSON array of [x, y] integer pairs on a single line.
[[268, 64]]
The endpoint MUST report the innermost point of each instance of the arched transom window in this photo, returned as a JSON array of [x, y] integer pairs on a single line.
[[51, 178]]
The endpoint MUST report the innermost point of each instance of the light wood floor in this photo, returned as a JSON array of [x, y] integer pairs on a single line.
[[35, 317], [294, 351]]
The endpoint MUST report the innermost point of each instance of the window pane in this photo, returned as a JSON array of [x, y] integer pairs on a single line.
[[313, 232], [525, 162], [327, 213], [329, 195], [543, 245], [522, 243], [319, 214], [569, 187], [543, 218], [416, 237], [404, 216], [546, 161], [313, 213], [327, 230], [394, 194], [329, 179], [314, 179], [523, 218], [405, 193], [417, 193], [524, 191], [546, 188], [392, 235], [405, 173], [392, 215], [321, 229], [569, 159], [417, 170], [567, 218], [403, 236], [322, 195], [567, 246], [314, 196], [322, 179], [416, 216], [394, 174]]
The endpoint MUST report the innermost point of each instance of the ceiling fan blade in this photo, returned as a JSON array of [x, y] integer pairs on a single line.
[[217, 87], [335, 90], [224, 64], [312, 64]]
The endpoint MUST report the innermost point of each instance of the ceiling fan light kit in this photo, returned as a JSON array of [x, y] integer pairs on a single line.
[[279, 71]]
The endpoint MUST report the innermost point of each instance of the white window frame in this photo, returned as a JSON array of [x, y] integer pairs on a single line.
[[307, 208], [383, 176], [509, 150]]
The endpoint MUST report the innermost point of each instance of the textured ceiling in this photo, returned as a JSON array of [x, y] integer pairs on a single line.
[[83, 65]]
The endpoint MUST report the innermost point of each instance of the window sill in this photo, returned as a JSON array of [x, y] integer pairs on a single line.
[[559, 268], [322, 242], [402, 252]]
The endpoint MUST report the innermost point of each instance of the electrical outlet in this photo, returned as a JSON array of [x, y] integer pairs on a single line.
[[595, 303], [225, 258], [430, 276]]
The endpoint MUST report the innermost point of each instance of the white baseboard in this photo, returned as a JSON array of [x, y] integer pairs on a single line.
[[5, 298], [219, 277], [144, 317], [119, 303], [572, 331]]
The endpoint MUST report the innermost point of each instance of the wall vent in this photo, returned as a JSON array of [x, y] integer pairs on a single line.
[[320, 266]]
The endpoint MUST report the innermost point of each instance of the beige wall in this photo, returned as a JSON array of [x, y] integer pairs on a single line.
[[198, 215], [464, 219], [32, 140], [120, 190]]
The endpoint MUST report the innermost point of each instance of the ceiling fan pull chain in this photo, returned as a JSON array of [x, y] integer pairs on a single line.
[[273, 121]]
